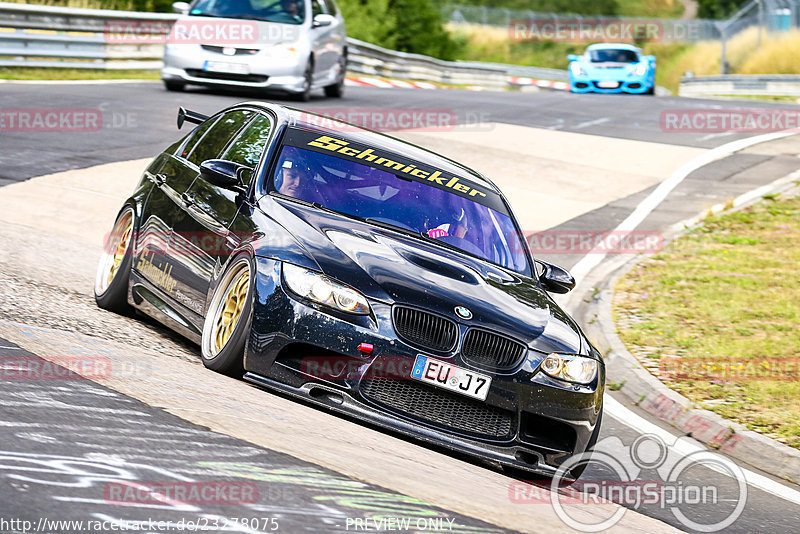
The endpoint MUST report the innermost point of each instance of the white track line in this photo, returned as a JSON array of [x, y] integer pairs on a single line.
[[654, 199], [685, 447]]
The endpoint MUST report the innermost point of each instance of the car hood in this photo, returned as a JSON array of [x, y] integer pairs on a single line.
[[398, 269]]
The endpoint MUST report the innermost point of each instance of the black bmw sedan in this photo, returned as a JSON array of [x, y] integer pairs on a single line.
[[360, 273]]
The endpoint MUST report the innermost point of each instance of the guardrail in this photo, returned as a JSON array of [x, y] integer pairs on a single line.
[[43, 36], [740, 85]]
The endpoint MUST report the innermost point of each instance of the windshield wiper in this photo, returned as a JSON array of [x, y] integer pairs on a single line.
[[390, 226]]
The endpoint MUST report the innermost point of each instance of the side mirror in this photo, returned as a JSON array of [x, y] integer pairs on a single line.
[[650, 58], [572, 57], [181, 8], [323, 20], [556, 279], [224, 174]]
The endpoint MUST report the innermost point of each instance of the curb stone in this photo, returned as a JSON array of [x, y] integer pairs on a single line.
[[592, 308]]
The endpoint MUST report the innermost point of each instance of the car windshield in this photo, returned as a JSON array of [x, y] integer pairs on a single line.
[[615, 55], [284, 11], [466, 221]]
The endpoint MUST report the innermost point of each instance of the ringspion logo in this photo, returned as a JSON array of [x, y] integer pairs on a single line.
[[647, 472]]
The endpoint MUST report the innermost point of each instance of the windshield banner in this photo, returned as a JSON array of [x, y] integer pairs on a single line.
[[398, 165]]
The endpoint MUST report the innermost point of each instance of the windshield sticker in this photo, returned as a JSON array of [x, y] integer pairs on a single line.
[[398, 165]]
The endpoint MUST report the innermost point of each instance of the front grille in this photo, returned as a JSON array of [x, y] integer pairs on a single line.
[[440, 408], [239, 51], [425, 329], [252, 78], [491, 350]]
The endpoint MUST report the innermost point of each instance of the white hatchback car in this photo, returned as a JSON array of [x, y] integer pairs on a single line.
[[290, 46]]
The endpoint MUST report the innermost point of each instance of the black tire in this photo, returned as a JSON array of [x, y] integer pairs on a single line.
[[111, 290], [228, 359], [652, 90], [174, 86], [308, 76], [337, 90]]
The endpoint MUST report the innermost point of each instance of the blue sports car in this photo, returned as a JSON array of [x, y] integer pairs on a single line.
[[612, 68]]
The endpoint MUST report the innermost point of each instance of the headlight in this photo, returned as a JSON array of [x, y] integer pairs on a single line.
[[576, 69], [321, 289], [570, 367], [640, 69], [283, 50]]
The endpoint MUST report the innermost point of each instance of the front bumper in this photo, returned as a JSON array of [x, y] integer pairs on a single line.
[[586, 84], [528, 421], [187, 64]]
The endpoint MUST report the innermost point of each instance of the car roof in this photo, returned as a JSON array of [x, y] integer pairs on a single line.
[[614, 46], [326, 125]]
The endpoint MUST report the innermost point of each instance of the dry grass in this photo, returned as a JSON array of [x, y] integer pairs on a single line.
[[777, 55], [28, 73]]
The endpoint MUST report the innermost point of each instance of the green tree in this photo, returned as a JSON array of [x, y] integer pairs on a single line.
[[718, 9], [370, 21], [419, 28]]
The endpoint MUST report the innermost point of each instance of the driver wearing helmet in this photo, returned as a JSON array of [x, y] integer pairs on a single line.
[[295, 178]]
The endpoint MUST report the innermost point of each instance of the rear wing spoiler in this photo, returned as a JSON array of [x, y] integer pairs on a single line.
[[184, 115]]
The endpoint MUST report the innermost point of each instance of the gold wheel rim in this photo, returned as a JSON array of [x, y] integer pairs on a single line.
[[120, 250], [230, 310]]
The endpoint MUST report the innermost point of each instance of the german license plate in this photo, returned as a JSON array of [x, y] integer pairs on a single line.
[[608, 85], [228, 68], [442, 374]]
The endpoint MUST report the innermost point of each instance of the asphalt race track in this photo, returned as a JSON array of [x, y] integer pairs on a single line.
[[138, 119], [66, 444]]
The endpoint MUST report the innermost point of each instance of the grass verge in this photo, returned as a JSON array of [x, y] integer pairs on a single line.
[[26, 73], [715, 316]]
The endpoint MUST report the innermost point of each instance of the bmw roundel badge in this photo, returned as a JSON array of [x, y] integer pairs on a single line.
[[463, 312]]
